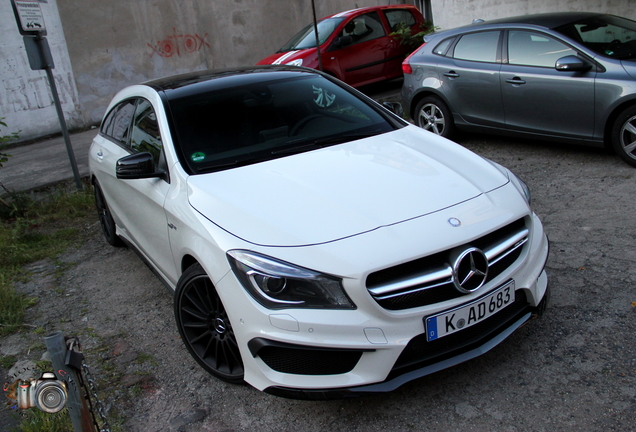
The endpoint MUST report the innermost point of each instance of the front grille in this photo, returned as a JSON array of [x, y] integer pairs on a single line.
[[420, 353], [309, 361], [429, 280]]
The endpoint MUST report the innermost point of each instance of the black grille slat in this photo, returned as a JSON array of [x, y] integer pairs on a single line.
[[408, 297], [420, 353], [309, 361]]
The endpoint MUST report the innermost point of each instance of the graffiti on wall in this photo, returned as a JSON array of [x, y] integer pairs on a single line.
[[30, 94], [177, 44]]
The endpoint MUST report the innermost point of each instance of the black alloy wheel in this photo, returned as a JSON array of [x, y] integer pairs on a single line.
[[624, 135], [433, 115], [106, 218], [205, 327]]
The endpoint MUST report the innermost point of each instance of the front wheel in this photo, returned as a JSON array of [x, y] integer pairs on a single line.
[[434, 116], [205, 327], [624, 135]]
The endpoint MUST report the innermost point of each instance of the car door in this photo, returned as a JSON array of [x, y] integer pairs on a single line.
[[469, 74], [363, 58], [539, 99], [137, 205]]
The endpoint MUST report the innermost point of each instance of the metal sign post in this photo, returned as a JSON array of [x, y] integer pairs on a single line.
[[30, 20]]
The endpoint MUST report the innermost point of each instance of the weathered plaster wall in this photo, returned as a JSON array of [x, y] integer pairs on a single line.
[[26, 102], [119, 42], [454, 13]]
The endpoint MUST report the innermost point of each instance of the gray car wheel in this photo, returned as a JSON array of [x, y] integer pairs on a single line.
[[434, 116], [624, 136]]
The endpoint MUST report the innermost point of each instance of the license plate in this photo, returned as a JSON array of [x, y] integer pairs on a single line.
[[452, 321]]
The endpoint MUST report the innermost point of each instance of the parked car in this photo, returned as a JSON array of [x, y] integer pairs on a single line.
[[561, 76], [317, 244], [356, 46]]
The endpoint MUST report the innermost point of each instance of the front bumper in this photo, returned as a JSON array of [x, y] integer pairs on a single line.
[[326, 354]]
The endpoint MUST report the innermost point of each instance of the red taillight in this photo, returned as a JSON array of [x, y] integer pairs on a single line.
[[406, 66]]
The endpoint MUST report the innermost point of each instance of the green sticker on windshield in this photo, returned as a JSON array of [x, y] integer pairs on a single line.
[[197, 157]]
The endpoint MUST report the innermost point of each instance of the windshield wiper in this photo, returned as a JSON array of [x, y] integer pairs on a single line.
[[324, 142], [230, 164]]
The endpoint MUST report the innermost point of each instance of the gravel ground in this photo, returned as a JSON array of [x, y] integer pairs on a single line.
[[574, 369]]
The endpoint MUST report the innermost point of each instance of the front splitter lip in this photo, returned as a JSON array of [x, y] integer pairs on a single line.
[[394, 383]]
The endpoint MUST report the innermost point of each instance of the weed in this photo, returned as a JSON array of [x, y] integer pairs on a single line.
[[7, 361], [35, 420], [149, 358], [37, 229]]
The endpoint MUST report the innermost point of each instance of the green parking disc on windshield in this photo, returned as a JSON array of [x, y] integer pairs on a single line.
[[197, 157]]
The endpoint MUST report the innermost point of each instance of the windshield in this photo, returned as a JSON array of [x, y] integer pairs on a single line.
[[264, 120], [306, 38], [607, 35]]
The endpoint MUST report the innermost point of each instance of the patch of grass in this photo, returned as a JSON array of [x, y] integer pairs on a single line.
[[7, 361], [149, 358], [35, 420], [33, 230]]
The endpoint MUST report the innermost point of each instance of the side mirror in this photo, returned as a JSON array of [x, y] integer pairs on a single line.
[[572, 64], [137, 166], [394, 107]]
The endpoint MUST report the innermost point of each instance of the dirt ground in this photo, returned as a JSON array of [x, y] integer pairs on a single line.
[[574, 369]]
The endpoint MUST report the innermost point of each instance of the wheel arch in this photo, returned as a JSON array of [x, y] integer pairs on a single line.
[[421, 95], [188, 261], [611, 119]]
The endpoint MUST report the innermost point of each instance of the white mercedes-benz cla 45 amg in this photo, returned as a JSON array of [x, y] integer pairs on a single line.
[[318, 246]]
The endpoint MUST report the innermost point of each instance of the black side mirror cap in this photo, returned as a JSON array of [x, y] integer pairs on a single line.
[[137, 166], [572, 63]]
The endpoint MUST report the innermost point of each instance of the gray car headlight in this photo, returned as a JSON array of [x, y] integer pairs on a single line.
[[277, 284]]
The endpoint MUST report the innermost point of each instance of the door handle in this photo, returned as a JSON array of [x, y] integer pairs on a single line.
[[99, 154], [451, 74], [515, 80]]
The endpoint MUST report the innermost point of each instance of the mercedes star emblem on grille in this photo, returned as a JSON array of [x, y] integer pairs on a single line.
[[470, 270]]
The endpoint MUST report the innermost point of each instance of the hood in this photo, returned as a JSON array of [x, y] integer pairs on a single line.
[[344, 190], [307, 55]]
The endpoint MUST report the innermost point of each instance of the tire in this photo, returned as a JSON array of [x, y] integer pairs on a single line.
[[624, 135], [106, 218], [433, 115], [205, 327]]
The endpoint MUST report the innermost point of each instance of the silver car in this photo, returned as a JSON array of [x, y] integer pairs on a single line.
[[563, 77]]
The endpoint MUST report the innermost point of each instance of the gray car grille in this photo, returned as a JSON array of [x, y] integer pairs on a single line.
[[429, 280]]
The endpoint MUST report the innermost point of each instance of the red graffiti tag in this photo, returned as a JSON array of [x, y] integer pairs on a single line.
[[176, 43]]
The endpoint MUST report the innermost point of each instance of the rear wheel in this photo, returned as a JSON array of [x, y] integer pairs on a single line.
[[433, 115], [106, 218], [205, 327], [624, 135]]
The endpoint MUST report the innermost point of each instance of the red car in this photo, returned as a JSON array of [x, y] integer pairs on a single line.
[[355, 45]]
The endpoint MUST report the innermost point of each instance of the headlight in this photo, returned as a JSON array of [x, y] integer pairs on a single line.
[[297, 62], [521, 186], [277, 284]]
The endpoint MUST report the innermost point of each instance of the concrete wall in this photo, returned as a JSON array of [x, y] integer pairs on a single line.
[[26, 102], [115, 43], [454, 13]]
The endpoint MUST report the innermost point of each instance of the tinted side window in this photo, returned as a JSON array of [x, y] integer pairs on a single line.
[[397, 16], [117, 123], [443, 46], [364, 28], [145, 136], [534, 49], [480, 47]]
